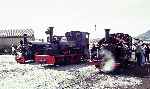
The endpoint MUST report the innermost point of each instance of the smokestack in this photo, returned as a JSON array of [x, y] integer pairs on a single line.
[[25, 38], [107, 34], [51, 33]]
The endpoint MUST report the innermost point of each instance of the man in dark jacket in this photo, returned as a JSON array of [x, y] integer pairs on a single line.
[[147, 51], [138, 54], [93, 51]]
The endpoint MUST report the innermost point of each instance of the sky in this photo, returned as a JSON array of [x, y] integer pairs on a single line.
[[127, 16]]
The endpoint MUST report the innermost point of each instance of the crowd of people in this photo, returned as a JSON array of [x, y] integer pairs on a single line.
[[142, 52]]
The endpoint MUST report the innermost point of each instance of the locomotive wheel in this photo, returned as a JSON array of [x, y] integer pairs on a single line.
[[100, 65]]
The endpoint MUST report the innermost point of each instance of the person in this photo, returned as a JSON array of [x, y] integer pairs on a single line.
[[138, 54], [93, 51], [147, 51], [143, 55], [13, 49], [21, 42]]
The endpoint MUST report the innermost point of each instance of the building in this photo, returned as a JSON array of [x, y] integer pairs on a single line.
[[12, 37]]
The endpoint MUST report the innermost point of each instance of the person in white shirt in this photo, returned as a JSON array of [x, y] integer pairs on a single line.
[[13, 49]]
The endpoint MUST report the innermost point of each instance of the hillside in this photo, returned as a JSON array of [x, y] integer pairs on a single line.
[[144, 36]]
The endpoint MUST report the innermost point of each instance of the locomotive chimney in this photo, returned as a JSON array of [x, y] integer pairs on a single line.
[[107, 34], [50, 32], [25, 38]]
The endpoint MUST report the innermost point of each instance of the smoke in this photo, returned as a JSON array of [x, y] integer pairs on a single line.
[[108, 61]]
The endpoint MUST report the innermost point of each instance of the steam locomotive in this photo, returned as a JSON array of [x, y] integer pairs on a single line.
[[114, 48], [69, 49]]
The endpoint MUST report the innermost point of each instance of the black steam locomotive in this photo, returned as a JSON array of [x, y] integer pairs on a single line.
[[118, 46]]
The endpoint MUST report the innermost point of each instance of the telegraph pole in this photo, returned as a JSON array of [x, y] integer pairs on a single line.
[[95, 27]]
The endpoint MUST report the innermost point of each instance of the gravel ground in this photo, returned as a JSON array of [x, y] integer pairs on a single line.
[[82, 76]]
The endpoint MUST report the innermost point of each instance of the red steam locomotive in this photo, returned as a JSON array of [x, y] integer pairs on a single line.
[[69, 49]]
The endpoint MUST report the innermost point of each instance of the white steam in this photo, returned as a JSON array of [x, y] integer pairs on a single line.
[[108, 62]]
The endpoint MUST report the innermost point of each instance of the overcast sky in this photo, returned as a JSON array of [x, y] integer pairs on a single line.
[[129, 16]]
